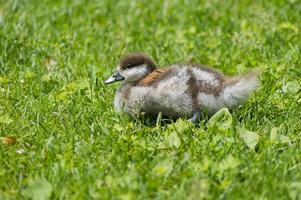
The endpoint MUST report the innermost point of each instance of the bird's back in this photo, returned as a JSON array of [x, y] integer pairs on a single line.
[[175, 90], [182, 89]]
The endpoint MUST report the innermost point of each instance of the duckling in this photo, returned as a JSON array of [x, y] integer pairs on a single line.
[[181, 90]]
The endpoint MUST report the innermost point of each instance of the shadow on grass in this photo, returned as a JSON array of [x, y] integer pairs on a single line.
[[151, 120]]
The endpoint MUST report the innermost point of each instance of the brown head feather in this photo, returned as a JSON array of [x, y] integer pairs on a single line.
[[136, 59]]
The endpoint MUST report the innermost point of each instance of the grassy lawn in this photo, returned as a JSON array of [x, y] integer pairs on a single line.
[[71, 144]]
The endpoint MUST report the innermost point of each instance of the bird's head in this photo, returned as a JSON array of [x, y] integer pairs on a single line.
[[132, 68]]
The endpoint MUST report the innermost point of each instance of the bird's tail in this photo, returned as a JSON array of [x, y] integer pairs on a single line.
[[238, 88]]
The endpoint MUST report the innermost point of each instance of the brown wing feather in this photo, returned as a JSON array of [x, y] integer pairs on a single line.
[[152, 77]]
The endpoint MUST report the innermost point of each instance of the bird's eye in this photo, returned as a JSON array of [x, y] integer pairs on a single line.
[[128, 66]]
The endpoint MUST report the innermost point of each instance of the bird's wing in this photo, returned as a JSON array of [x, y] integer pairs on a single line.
[[153, 77]]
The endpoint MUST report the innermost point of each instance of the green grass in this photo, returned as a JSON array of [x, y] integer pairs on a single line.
[[74, 146]]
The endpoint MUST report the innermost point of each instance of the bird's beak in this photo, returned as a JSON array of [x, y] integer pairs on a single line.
[[114, 78]]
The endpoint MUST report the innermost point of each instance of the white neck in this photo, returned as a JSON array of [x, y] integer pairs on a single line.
[[135, 74]]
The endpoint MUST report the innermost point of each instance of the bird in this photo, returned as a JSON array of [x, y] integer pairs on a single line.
[[180, 90]]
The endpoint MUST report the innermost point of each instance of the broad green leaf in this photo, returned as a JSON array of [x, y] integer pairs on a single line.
[[273, 134], [46, 77], [250, 138], [206, 163], [118, 127], [63, 96], [288, 26], [5, 119], [71, 88], [229, 162], [284, 139], [29, 75], [295, 190], [3, 80], [38, 189], [291, 87], [277, 138], [199, 188], [126, 196], [221, 121], [173, 140], [181, 126], [163, 168]]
